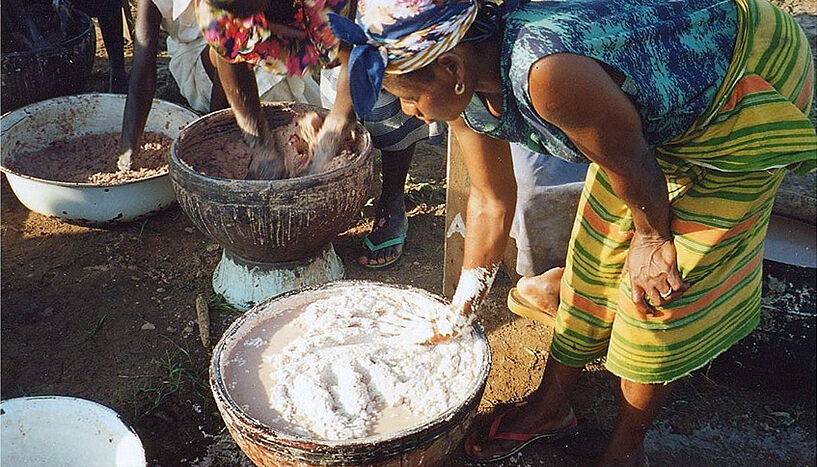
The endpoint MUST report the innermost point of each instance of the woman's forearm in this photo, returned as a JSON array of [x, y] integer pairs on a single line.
[[241, 90], [489, 215], [488, 225], [343, 107], [577, 94], [642, 187], [142, 82], [487, 228]]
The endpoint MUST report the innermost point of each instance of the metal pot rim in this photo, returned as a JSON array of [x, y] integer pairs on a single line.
[[80, 184], [66, 44]]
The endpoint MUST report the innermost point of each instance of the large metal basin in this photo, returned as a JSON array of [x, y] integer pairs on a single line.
[[66, 431], [37, 125]]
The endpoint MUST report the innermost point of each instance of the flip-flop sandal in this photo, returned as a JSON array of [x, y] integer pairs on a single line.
[[398, 240], [520, 306], [525, 438]]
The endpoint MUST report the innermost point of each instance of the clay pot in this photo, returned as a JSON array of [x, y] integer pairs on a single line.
[[269, 221]]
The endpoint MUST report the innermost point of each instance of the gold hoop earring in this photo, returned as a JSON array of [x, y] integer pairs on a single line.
[[459, 88]]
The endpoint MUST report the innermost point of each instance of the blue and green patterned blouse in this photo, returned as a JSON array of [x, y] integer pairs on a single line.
[[674, 55]]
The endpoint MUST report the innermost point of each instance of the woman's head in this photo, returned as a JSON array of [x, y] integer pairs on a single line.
[[439, 91], [421, 46]]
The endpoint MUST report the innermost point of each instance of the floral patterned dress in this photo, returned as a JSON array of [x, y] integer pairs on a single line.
[[253, 40]]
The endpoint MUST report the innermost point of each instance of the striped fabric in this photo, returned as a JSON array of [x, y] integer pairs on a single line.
[[428, 52], [398, 36], [735, 133], [414, 33], [719, 255], [722, 176]]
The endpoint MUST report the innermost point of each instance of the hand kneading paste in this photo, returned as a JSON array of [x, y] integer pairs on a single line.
[[348, 363]]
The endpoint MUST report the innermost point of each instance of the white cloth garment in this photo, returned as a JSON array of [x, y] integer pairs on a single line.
[[185, 45], [544, 207]]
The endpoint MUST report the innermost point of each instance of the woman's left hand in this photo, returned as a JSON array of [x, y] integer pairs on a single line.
[[653, 267]]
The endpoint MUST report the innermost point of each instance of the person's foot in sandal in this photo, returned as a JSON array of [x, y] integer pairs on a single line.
[[384, 244], [537, 297], [518, 427]]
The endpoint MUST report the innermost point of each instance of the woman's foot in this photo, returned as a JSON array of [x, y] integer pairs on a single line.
[[542, 291], [517, 427], [384, 244]]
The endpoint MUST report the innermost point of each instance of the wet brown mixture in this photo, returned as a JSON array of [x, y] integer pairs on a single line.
[[92, 159], [229, 156]]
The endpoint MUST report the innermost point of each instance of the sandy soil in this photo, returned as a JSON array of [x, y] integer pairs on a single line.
[[109, 315]]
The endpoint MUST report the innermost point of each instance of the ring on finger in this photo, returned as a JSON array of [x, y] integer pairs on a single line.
[[665, 294]]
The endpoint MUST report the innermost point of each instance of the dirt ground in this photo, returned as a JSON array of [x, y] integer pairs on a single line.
[[109, 315]]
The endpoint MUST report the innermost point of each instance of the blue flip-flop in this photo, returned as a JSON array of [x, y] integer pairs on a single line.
[[398, 240]]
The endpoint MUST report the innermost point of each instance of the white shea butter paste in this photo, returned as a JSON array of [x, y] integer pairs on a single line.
[[348, 363]]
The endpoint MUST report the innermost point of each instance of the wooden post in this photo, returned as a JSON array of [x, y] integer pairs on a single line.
[[456, 200]]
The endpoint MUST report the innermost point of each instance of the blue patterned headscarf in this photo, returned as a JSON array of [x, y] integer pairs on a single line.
[[396, 37]]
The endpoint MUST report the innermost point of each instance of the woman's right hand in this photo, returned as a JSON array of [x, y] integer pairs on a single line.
[[129, 137], [124, 161], [451, 324], [325, 137], [128, 149]]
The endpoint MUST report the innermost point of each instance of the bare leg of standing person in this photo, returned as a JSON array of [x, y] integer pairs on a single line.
[[110, 22], [546, 410], [639, 405], [385, 242]]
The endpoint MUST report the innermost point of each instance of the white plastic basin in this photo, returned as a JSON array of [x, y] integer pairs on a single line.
[[60, 431]]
